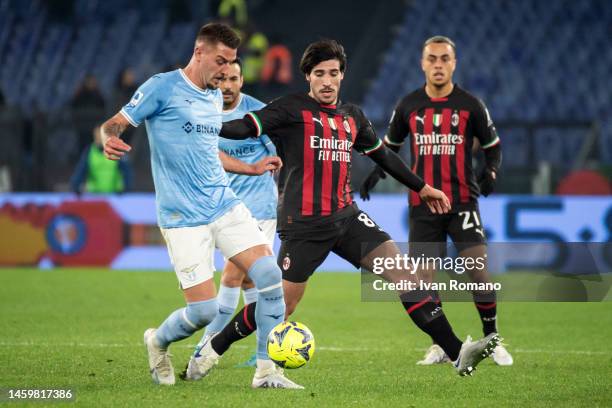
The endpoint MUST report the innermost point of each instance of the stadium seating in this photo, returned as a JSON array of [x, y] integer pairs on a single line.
[[529, 60], [545, 62], [45, 61], [541, 67]]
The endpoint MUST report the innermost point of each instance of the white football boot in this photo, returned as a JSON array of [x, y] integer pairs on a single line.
[[434, 355], [268, 375], [160, 365], [501, 356], [201, 362], [473, 352]]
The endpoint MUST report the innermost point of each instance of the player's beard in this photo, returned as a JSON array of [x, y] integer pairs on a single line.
[[228, 105], [333, 97]]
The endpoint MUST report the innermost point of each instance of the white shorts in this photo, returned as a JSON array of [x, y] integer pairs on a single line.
[[191, 249], [268, 227]]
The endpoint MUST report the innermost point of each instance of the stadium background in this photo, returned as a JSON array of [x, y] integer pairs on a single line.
[[543, 68]]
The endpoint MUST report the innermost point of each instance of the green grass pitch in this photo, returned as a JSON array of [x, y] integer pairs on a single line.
[[83, 329]]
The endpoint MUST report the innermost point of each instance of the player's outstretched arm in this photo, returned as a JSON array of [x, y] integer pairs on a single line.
[[435, 199], [114, 147], [238, 129], [375, 175], [233, 165], [393, 164]]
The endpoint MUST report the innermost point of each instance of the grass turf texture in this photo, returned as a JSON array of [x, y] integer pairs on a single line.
[[83, 329]]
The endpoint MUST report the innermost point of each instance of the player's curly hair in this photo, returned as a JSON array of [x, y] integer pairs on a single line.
[[214, 33], [320, 51]]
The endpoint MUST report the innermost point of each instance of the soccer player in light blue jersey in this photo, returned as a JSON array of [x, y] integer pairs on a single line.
[[258, 193], [196, 208]]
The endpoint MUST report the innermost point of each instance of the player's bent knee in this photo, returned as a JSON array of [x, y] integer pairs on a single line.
[[199, 314], [202, 291], [247, 285], [385, 250], [232, 276], [265, 273]]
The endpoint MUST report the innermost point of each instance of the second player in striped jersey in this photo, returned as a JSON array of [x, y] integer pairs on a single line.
[[443, 124], [315, 134]]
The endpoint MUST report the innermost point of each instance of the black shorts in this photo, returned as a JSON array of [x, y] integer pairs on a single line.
[[351, 238], [428, 232]]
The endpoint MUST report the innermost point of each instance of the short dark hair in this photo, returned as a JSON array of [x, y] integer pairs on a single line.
[[238, 62], [214, 33], [320, 51], [440, 39]]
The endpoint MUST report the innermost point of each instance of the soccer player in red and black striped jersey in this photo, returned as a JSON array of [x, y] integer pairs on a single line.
[[442, 124], [314, 134]]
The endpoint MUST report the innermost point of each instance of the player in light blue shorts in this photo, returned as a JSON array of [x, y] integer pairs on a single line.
[[258, 193], [196, 208]]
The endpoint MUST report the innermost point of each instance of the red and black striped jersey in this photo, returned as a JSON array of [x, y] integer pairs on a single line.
[[315, 142], [442, 132]]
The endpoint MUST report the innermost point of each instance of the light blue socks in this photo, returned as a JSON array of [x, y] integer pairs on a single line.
[[270, 309], [227, 299], [183, 322]]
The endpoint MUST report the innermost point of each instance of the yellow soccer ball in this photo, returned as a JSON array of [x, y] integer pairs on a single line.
[[291, 345]]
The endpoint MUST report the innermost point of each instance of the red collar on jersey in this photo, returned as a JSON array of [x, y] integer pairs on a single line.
[[442, 99]]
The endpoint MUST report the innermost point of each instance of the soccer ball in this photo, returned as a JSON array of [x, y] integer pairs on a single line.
[[291, 345]]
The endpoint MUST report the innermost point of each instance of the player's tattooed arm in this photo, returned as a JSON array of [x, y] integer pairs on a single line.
[[237, 166], [114, 147]]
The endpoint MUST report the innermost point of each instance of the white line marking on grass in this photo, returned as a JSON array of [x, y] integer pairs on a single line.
[[330, 348], [85, 345], [243, 346], [542, 351]]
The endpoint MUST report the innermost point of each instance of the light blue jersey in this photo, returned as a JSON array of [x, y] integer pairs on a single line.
[[183, 124], [258, 193]]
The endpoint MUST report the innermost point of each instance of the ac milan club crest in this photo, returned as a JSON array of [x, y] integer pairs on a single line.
[[286, 263], [347, 126], [455, 119]]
